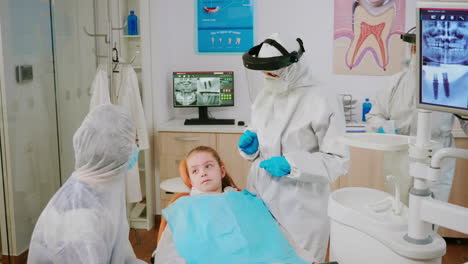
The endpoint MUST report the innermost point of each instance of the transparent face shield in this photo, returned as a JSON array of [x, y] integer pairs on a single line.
[[257, 80]]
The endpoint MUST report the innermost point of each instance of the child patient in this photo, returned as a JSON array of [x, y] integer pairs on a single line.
[[216, 223]]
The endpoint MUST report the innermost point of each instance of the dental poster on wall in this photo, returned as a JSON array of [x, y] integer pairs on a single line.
[[367, 37], [224, 26]]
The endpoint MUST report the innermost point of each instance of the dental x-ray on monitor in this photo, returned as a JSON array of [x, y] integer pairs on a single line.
[[203, 90], [442, 40]]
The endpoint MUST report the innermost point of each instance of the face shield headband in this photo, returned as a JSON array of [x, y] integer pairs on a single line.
[[253, 62], [409, 37]]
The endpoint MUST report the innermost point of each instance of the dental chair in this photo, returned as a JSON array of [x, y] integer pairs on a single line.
[[185, 178]]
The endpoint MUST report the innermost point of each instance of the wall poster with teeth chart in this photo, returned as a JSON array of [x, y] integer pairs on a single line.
[[366, 37], [224, 26]]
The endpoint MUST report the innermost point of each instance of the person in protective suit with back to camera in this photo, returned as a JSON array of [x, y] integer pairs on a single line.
[[86, 219], [292, 140]]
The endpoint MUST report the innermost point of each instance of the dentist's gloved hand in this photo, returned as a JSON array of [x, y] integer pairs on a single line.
[[248, 142], [133, 159], [276, 166]]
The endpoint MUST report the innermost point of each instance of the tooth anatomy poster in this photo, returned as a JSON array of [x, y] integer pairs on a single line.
[[224, 26], [367, 37]]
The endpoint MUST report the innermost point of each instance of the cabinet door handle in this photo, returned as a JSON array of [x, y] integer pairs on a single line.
[[187, 138]]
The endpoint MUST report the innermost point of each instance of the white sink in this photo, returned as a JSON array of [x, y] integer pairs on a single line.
[[364, 206]]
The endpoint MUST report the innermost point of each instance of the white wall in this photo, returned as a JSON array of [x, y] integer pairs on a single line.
[[173, 49]]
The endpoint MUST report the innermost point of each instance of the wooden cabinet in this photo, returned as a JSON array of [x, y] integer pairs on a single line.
[[173, 146], [366, 170], [180, 143], [236, 165]]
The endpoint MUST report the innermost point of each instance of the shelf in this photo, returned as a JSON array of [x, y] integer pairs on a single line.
[[138, 223], [140, 219], [137, 68], [131, 36]]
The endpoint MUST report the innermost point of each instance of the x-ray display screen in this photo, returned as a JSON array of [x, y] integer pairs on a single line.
[[444, 57], [203, 89]]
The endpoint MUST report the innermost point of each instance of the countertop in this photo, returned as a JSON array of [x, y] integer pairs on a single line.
[[177, 125]]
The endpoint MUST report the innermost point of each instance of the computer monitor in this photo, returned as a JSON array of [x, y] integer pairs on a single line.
[[203, 90], [442, 41]]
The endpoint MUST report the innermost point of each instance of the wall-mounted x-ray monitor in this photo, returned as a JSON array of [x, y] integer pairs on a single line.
[[442, 41]]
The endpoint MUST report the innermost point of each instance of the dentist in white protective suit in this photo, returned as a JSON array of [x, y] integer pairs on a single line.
[[292, 141], [85, 221], [397, 102]]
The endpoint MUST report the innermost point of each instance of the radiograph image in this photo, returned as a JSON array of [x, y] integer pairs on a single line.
[[445, 62], [185, 91], [445, 42]]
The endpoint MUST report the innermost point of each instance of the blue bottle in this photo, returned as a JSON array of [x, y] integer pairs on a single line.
[[132, 23], [366, 107]]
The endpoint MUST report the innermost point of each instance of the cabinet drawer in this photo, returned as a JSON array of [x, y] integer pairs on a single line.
[[164, 203], [169, 166], [179, 143], [165, 198], [237, 167], [166, 195]]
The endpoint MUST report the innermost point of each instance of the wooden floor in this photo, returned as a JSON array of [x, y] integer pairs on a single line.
[[144, 242], [457, 249]]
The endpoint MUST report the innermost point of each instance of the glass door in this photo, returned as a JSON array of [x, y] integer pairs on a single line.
[[46, 67]]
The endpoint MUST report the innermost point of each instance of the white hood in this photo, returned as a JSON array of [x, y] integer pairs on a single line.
[[296, 75]]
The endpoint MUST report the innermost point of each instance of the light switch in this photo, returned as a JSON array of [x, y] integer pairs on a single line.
[[24, 73]]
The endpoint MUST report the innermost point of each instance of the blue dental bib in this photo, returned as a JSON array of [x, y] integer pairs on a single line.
[[235, 227]]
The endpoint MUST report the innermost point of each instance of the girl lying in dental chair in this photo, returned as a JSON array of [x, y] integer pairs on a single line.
[[217, 223]]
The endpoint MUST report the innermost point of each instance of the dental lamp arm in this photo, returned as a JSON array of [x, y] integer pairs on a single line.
[[434, 169], [445, 153], [444, 214]]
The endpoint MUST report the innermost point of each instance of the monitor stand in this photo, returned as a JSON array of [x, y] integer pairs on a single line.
[[203, 119]]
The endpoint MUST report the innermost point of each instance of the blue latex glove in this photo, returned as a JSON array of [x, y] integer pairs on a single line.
[[382, 131], [276, 166], [133, 159], [248, 142]]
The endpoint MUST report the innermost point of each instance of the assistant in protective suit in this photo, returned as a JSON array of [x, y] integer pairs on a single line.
[[292, 140], [397, 102], [85, 221]]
